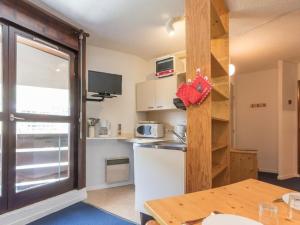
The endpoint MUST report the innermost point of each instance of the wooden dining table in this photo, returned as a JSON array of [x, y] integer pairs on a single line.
[[242, 198]]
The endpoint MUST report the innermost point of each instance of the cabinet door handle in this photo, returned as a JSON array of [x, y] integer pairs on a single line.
[[150, 107], [160, 106]]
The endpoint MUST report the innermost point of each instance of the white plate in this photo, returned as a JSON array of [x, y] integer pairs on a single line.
[[228, 219], [285, 198]]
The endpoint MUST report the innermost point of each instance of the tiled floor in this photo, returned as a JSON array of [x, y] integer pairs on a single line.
[[118, 200]]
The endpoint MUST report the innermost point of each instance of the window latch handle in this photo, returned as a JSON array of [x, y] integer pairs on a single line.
[[12, 117]]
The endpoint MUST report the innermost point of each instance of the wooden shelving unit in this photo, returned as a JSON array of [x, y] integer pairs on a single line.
[[220, 94], [217, 147], [207, 48], [219, 119], [218, 169]]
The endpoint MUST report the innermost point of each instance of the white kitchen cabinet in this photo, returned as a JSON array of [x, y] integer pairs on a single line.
[[156, 94], [145, 97], [165, 92]]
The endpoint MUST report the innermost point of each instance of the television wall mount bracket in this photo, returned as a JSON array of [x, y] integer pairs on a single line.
[[100, 97]]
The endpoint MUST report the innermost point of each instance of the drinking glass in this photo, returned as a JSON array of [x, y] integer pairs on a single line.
[[294, 206], [268, 214]]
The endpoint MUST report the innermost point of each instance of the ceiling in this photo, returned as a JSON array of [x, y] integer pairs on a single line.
[[261, 31], [133, 26]]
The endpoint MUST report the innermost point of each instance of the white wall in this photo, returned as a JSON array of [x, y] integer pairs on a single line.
[[121, 109], [97, 152], [287, 132], [257, 128], [271, 130], [118, 110]]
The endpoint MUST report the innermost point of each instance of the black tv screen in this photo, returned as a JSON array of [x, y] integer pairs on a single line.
[[104, 83]]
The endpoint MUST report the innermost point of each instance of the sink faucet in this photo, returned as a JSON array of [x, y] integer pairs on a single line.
[[182, 139]]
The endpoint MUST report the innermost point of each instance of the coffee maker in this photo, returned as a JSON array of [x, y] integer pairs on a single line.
[[103, 128]]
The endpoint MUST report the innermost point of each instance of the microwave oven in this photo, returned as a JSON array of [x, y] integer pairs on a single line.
[[149, 130], [168, 66]]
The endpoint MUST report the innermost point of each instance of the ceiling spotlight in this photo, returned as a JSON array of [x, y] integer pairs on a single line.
[[231, 69], [170, 24], [57, 70], [170, 27]]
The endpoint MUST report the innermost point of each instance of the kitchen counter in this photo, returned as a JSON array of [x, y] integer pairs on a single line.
[[172, 145], [144, 140]]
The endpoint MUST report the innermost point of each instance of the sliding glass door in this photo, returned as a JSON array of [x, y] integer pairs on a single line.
[[41, 119]]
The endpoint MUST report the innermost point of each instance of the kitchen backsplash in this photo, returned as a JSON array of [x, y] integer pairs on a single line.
[[170, 118]]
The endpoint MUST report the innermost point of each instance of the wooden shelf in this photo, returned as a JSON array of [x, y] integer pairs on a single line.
[[217, 169], [219, 45], [218, 119], [217, 27], [218, 68], [216, 147], [218, 95]]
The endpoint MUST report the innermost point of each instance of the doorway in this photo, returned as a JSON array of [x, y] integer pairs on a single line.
[[37, 116]]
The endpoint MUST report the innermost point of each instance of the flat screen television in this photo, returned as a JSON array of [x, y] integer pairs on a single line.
[[104, 83]]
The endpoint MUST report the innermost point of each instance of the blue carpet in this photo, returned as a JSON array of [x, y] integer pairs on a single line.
[[81, 214], [292, 183]]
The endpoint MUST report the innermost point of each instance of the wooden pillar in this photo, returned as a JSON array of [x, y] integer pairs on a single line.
[[208, 123], [199, 169]]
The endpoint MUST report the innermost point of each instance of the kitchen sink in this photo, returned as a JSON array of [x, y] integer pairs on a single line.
[[172, 145]]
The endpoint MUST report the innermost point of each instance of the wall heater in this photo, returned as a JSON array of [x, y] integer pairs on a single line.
[[117, 170]]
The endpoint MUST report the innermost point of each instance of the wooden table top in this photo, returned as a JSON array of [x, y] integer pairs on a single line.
[[240, 198]]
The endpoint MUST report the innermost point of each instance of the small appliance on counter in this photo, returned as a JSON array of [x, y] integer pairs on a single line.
[[92, 122], [104, 128], [149, 129]]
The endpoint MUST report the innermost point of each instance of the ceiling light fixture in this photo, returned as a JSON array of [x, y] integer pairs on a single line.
[[170, 24], [231, 69]]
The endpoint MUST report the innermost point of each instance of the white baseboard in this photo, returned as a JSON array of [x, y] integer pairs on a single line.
[[286, 176], [40, 209], [104, 186]]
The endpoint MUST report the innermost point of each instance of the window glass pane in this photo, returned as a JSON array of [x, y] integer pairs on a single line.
[[42, 154], [42, 79]]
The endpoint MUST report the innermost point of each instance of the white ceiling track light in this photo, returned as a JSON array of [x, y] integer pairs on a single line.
[[170, 24]]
